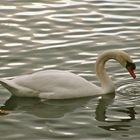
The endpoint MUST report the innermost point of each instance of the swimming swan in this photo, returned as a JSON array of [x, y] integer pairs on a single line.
[[57, 84]]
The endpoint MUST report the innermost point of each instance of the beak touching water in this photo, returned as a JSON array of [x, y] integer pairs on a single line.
[[131, 67]]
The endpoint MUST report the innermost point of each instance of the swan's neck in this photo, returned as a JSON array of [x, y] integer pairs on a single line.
[[106, 82]]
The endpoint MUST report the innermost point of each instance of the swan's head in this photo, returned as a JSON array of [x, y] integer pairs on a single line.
[[126, 61]]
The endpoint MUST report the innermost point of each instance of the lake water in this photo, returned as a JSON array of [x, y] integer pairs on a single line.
[[68, 35]]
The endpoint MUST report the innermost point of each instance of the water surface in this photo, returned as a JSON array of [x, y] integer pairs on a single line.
[[69, 35]]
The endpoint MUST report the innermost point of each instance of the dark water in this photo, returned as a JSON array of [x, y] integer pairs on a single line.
[[69, 34]]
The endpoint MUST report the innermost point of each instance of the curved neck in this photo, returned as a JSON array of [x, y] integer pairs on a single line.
[[106, 82]]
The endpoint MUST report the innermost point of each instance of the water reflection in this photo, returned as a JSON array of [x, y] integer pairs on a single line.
[[111, 121], [102, 106], [58, 108], [43, 109]]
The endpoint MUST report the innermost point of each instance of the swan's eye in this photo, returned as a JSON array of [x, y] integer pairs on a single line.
[[131, 65]]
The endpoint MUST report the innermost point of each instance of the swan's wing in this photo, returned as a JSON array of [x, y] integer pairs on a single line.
[[44, 80]]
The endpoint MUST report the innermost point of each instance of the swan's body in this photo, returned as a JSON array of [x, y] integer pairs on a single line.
[[56, 84]]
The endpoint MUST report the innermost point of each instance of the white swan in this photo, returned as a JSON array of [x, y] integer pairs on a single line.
[[56, 84]]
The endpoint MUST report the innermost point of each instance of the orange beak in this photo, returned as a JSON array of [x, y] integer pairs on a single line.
[[130, 70]]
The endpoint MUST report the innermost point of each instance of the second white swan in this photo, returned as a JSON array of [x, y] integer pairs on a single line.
[[57, 84]]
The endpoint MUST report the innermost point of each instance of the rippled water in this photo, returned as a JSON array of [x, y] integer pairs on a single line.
[[69, 34]]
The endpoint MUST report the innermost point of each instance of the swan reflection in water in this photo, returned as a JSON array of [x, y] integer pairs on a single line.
[[115, 124], [43, 109], [58, 108]]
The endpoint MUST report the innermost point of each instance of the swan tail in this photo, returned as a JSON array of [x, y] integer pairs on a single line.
[[8, 85], [18, 90]]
